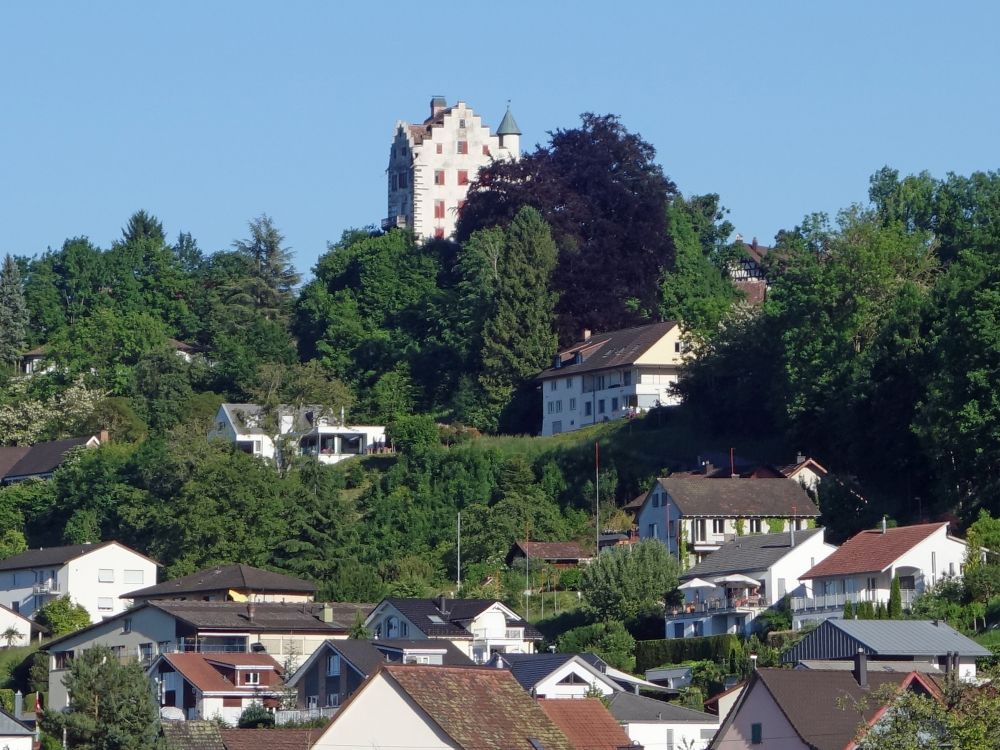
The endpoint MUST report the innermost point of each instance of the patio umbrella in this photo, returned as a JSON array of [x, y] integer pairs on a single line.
[[697, 583], [739, 579]]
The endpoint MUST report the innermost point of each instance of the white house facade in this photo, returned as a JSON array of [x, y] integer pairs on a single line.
[[95, 576], [432, 164], [613, 375], [657, 725]]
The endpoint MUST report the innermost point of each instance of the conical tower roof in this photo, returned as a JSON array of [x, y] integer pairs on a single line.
[[507, 125]]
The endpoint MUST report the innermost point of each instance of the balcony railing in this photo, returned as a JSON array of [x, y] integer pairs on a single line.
[[824, 602], [718, 606], [510, 634], [303, 714], [514, 634], [46, 587]]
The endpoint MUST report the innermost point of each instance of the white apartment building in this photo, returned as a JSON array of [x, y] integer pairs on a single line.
[[432, 164], [607, 376], [95, 576]]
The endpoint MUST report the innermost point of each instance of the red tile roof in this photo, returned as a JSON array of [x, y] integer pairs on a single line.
[[479, 708], [587, 723], [198, 670], [872, 551], [270, 739]]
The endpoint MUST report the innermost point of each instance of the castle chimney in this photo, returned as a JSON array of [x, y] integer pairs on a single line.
[[438, 103], [861, 668]]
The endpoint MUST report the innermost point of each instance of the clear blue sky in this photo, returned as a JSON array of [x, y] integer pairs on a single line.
[[210, 113]]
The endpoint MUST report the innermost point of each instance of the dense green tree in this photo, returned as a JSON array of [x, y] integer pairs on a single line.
[[628, 581], [62, 615], [13, 313], [609, 640], [895, 607], [274, 277], [143, 226], [162, 388], [111, 706]]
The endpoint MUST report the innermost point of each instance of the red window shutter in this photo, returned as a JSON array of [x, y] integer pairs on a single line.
[[439, 177], [438, 209], [440, 148], [486, 150], [439, 233], [463, 177], [463, 147]]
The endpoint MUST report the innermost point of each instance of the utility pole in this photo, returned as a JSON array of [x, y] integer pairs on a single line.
[[459, 576], [597, 494]]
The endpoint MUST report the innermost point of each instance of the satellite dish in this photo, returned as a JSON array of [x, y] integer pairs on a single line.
[[172, 713]]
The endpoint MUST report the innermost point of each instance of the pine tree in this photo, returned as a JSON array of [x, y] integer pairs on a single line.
[[274, 277], [518, 336], [848, 610], [895, 611], [13, 313]]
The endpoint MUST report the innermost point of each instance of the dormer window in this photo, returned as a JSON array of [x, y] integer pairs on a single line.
[[251, 678]]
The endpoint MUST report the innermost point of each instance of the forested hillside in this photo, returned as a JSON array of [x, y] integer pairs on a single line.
[[877, 351]]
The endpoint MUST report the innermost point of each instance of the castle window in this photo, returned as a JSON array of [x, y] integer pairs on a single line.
[[440, 148], [439, 177], [486, 150], [438, 209], [463, 177], [463, 147], [402, 180]]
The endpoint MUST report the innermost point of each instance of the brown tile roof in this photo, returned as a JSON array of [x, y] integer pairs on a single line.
[[586, 723], [267, 616], [612, 349], [814, 701], [197, 669], [740, 498], [192, 735], [239, 577], [270, 739], [872, 551], [790, 470], [479, 708], [550, 550]]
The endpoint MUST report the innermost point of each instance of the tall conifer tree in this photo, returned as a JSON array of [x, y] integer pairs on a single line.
[[13, 313]]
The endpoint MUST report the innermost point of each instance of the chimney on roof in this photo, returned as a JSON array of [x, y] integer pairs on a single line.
[[251, 609], [861, 668], [327, 613], [103, 437], [883, 524], [754, 243], [709, 468], [18, 705], [442, 604], [437, 104], [800, 457]]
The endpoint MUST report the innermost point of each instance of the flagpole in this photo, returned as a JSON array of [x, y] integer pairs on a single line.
[[597, 493]]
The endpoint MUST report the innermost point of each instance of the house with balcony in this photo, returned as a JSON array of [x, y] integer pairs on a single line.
[[289, 632], [700, 514], [338, 668], [614, 375], [230, 583], [92, 575], [731, 587], [305, 431], [223, 685], [862, 569], [477, 627]]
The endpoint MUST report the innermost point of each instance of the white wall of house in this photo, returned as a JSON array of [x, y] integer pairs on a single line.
[[363, 723], [425, 189], [16, 743], [663, 735], [760, 708], [586, 679], [13, 621]]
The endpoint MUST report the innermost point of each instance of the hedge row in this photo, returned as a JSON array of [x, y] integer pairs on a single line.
[[650, 654]]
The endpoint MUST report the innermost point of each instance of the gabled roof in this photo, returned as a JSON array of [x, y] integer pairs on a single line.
[[48, 556], [478, 708], [531, 669], [586, 723], [266, 616], [873, 551], [434, 622], [197, 669], [612, 349], [549, 551], [842, 639], [11, 727], [238, 577], [270, 739], [739, 498], [813, 701], [792, 470], [40, 459], [10, 455], [749, 553], [625, 706]]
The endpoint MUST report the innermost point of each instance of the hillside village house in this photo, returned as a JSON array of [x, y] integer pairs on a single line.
[[308, 432], [607, 376], [217, 685], [14, 734], [92, 575], [557, 675], [557, 554], [862, 569], [805, 470], [230, 583], [22, 462], [338, 668], [479, 628], [288, 632], [703, 513], [731, 587], [12, 622], [431, 166], [657, 725], [587, 724]]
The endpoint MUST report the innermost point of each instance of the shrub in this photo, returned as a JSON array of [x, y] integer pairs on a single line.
[[716, 648], [569, 579], [609, 640], [255, 716]]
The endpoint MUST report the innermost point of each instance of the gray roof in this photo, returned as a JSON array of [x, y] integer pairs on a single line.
[[873, 665], [841, 639], [434, 622], [192, 735], [11, 727], [41, 459], [305, 417], [748, 553], [507, 125], [626, 706], [240, 577], [739, 498], [46, 556], [611, 349], [530, 669], [269, 616]]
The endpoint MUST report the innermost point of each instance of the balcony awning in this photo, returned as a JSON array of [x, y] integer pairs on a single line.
[[738, 579], [697, 583]]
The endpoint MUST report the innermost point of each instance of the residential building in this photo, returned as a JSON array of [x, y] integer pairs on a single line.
[[442, 708], [606, 376], [36, 361], [14, 734], [747, 272], [554, 675], [39, 461], [721, 704], [478, 627], [230, 583], [288, 632], [702, 514], [718, 465], [302, 432], [557, 554], [587, 724], [798, 709], [924, 645], [338, 668], [12, 622], [862, 569], [207, 686], [730, 587], [94, 576], [658, 725], [431, 166]]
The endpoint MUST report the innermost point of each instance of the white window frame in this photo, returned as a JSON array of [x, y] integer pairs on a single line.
[[105, 575], [251, 678], [137, 577], [333, 665], [105, 604]]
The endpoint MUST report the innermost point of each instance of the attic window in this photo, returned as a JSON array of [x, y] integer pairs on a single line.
[[536, 743], [435, 619]]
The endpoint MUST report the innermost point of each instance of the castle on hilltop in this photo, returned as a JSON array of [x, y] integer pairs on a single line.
[[431, 166]]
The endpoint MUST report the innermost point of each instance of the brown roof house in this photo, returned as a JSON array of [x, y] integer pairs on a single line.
[[442, 708], [613, 375], [811, 709], [39, 461], [862, 569], [586, 723], [559, 554], [703, 513], [236, 583]]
